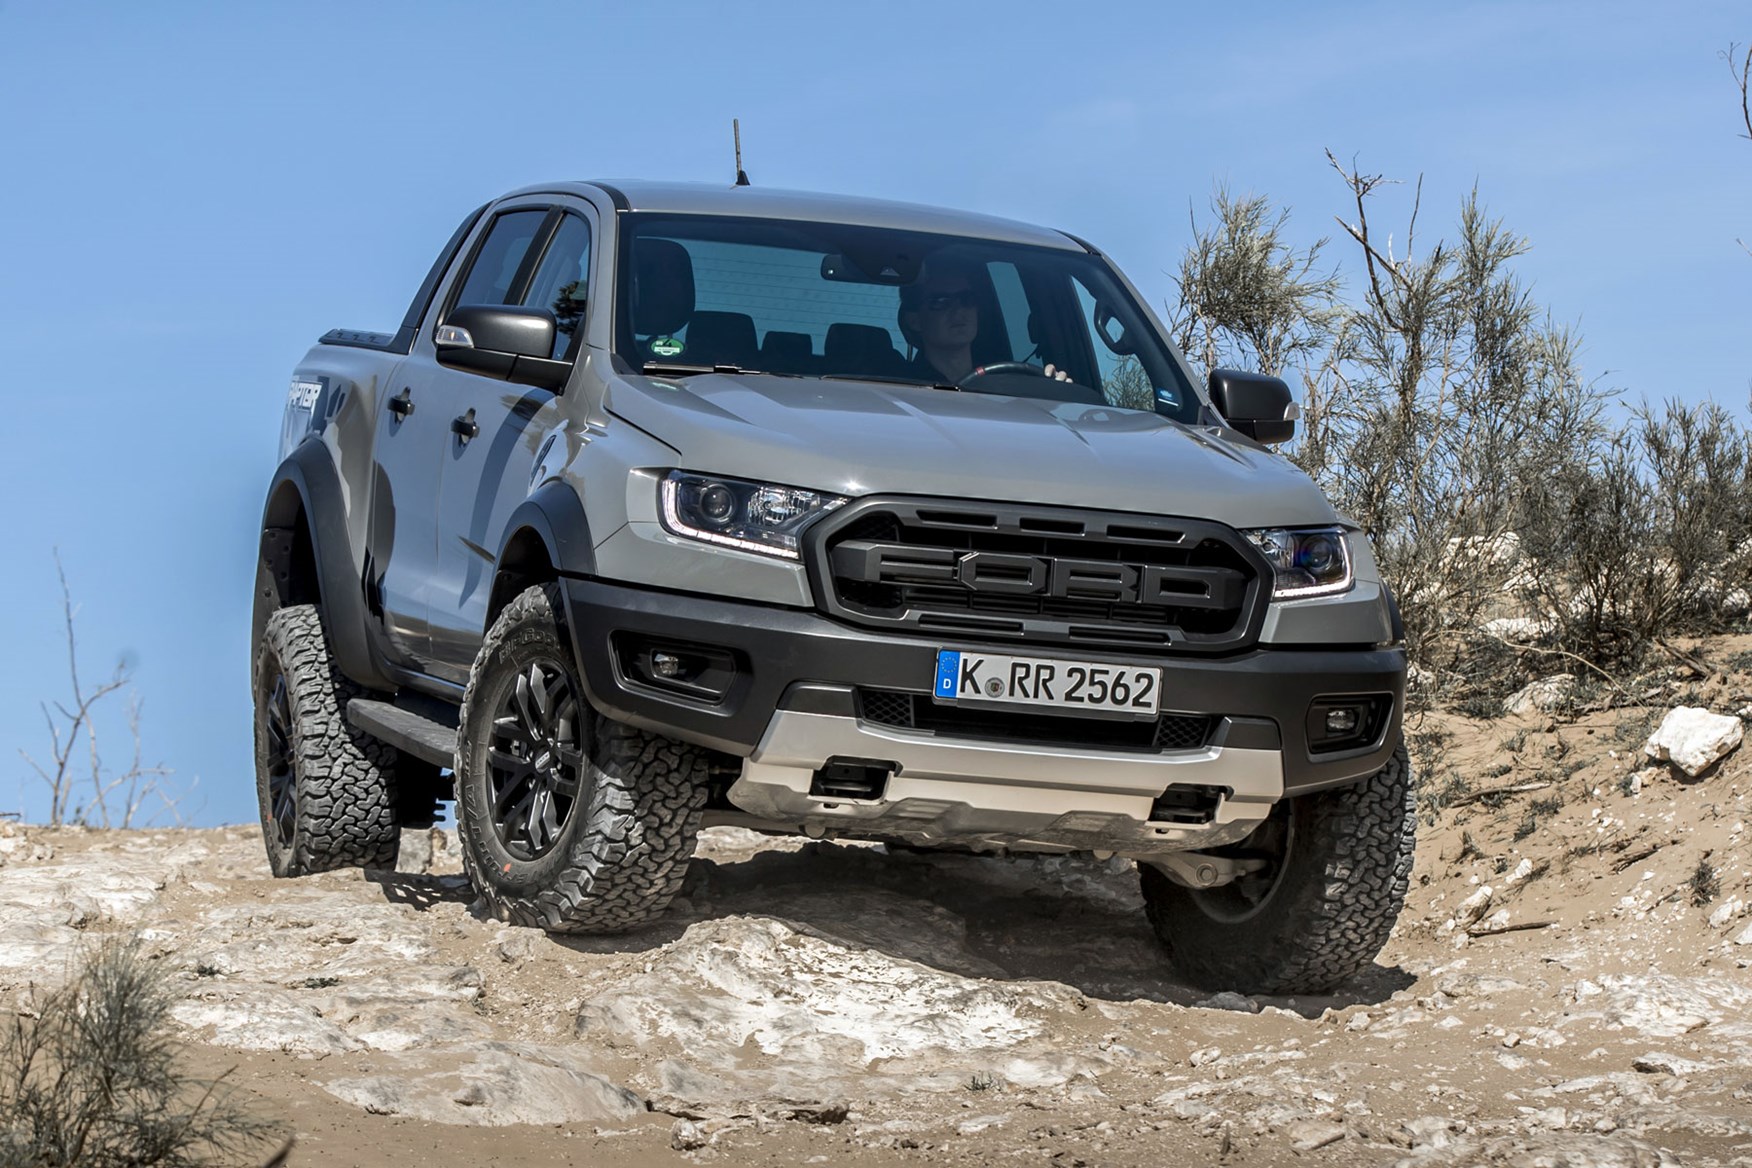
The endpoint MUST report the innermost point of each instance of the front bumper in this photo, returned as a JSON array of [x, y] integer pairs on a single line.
[[790, 662], [992, 795]]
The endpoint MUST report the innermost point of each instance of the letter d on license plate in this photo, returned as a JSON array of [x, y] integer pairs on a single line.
[[991, 679]]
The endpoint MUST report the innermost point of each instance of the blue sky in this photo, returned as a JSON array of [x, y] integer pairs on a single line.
[[192, 194]]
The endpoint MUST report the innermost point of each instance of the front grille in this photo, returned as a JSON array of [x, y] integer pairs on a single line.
[[1049, 575], [913, 711]]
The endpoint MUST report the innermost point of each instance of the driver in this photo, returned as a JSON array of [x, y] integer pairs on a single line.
[[939, 314]]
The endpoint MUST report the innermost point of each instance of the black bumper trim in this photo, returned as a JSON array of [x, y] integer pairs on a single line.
[[801, 659]]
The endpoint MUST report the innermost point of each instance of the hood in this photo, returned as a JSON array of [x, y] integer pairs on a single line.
[[862, 438]]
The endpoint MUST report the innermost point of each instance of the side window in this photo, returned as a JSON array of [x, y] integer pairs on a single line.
[[561, 280], [500, 255]]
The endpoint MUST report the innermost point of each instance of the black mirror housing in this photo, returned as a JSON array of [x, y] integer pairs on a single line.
[[509, 343], [1258, 406]]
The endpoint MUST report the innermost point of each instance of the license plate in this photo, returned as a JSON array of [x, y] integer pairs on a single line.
[[990, 679]]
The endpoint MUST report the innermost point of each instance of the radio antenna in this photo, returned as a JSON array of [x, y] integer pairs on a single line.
[[736, 132]]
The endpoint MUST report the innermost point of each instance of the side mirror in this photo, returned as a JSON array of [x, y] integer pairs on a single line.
[[511, 344], [1258, 406]]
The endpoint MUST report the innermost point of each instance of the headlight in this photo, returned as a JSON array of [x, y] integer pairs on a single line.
[[1308, 563], [756, 517]]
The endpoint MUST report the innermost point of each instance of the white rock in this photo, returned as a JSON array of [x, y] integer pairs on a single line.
[[1692, 739], [1665, 1006], [1658, 1063], [1474, 906], [504, 1083], [1306, 1135], [1726, 912], [1516, 628], [1542, 696], [770, 1007], [1522, 870], [1229, 1000], [1745, 937], [257, 1018]]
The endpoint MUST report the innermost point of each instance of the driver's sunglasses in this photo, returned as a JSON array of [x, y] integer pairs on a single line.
[[948, 300]]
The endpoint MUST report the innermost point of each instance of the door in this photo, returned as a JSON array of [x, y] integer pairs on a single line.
[[488, 463], [415, 439]]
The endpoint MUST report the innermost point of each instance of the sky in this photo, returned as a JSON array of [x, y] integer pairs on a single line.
[[191, 194]]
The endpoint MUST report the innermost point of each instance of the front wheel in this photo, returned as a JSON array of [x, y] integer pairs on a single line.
[[1336, 868], [569, 821]]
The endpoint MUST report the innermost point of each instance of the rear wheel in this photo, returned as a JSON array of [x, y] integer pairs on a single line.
[[1316, 911], [326, 789], [569, 821]]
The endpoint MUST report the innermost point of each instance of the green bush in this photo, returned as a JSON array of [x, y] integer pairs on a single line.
[[89, 1077]]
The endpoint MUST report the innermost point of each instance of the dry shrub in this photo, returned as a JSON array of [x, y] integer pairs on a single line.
[[1448, 415], [1650, 538], [89, 1078]]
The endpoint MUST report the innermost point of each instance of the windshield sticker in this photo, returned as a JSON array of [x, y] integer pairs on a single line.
[[666, 346]]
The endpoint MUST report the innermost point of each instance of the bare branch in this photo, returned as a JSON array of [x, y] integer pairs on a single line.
[[1740, 69], [73, 723]]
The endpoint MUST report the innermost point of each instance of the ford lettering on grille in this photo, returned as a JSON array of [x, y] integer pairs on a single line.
[[1008, 574]]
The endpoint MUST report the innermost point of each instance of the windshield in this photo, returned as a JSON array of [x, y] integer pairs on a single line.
[[836, 301]]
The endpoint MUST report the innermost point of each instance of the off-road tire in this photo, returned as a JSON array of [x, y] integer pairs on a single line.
[[621, 854], [342, 780], [1328, 913]]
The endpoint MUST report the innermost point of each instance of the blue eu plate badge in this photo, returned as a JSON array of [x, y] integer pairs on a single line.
[[948, 669]]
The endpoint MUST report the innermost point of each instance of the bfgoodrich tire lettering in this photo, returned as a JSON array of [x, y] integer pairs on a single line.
[[1321, 914], [569, 821], [326, 788]]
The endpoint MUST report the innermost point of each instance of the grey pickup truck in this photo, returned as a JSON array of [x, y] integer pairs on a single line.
[[674, 505]]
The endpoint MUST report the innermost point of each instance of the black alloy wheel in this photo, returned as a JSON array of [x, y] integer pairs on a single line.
[[282, 782], [568, 820], [536, 759]]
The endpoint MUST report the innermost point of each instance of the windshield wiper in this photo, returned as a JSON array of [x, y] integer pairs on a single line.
[[676, 370], [908, 381]]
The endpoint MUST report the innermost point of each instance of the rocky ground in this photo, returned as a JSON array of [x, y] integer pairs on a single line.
[[1570, 984]]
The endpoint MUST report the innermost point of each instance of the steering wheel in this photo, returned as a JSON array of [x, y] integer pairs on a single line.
[[1002, 367]]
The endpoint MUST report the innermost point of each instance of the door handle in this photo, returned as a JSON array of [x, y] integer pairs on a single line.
[[402, 404], [465, 427]]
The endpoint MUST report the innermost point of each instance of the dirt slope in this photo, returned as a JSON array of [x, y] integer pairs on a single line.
[[834, 1002]]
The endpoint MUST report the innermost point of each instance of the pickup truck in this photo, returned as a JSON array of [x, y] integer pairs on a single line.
[[671, 505]]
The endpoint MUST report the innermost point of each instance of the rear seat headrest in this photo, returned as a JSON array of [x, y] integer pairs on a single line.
[[663, 286], [787, 346], [857, 340], [724, 338]]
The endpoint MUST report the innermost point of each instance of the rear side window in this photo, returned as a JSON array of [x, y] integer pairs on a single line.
[[501, 254], [561, 281]]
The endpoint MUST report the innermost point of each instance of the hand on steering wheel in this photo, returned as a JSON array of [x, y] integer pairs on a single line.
[[1015, 367]]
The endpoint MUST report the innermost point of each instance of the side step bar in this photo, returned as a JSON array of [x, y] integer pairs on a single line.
[[405, 730]]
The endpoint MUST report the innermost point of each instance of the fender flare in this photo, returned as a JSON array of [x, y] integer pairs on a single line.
[[555, 512], [307, 480], [1395, 622]]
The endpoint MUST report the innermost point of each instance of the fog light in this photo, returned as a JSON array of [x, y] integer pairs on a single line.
[[1342, 720], [669, 665]]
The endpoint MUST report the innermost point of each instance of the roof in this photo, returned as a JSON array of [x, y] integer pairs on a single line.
[[694, 198]]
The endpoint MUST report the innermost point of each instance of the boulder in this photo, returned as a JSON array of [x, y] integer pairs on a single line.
[[1542, 696], [1693, 739]]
